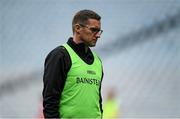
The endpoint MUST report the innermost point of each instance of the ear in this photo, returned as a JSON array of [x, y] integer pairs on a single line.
[[77, 28]]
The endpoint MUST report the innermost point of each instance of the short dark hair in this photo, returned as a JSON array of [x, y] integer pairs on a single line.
[[83, 16]]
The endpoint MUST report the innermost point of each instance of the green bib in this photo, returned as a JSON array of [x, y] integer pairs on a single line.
[[80, 96]]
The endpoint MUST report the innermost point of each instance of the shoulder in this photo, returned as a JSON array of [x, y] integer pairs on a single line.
[[58, 57], [58, 53], [59, 50]]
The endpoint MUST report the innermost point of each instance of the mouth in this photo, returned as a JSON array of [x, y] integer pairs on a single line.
[[95, 39]]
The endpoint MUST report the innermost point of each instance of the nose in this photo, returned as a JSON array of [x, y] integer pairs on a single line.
[[98, 35]]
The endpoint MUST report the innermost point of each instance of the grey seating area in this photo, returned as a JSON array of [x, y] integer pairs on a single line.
[[140, 50]]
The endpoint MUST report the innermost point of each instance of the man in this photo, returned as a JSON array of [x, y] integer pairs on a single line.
[[111, 105], [73, 73]]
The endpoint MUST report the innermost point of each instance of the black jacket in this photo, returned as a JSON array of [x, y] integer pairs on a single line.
[[56, 67]]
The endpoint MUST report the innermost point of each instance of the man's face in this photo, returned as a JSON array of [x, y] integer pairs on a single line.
[[91, 32]]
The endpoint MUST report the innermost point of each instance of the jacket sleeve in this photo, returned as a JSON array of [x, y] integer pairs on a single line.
[[55, 72], [100, 94]]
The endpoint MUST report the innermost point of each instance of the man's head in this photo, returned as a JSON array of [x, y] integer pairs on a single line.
[[86, 27]]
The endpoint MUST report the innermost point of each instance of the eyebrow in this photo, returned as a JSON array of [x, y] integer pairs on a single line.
[[94, 27]]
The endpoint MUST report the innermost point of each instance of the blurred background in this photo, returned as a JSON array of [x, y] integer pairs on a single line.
[[140, 51]]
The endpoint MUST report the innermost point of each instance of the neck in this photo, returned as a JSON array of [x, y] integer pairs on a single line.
[[78, 41]]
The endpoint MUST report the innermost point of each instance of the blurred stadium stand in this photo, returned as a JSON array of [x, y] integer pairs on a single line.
[[143, 64]]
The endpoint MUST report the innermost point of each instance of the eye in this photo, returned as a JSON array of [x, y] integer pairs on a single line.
[[95, 30]]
